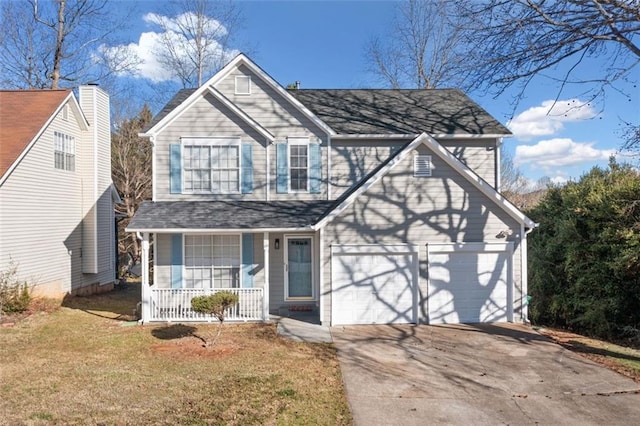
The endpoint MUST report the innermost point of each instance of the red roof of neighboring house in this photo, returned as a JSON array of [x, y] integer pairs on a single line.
[[23, 113]]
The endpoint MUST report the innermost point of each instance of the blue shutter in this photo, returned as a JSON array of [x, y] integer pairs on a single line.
[[247, 260], [247, 169], [176, 260], [282, 168], [315, 168], [175, 167]]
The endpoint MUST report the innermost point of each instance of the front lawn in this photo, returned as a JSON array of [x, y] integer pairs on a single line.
[[624, 360], [85, 364]]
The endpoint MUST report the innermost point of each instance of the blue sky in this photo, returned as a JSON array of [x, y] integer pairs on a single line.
[[321, 44]]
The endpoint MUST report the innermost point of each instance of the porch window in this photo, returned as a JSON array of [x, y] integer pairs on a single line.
[[212, 168], [212, 261]]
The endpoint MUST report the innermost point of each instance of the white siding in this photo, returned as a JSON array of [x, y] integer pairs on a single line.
[[42, 213], [439, 209]]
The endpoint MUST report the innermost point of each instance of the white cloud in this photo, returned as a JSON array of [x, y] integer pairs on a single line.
[[145, 51], [559, 152], [549, 118], [559, 180]]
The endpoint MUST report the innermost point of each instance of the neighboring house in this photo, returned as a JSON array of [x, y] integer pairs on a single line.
[[56, 195], [363, 206]]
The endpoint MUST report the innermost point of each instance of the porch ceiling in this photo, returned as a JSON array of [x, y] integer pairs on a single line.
[[227, 215]]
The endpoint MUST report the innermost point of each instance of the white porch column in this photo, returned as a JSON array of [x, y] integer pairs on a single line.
[[146, 291], [265, 246]]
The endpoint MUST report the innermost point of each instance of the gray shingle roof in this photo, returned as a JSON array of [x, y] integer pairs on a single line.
[[386, 111], [173, 103], [389, 111], [227, 214]]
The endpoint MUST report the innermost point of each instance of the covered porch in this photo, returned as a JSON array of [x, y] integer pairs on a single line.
[[273, 270]]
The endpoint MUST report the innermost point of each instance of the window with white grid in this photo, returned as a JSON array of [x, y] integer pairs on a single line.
[[299, 167], [212, 261], [212, 168], [64, 152]]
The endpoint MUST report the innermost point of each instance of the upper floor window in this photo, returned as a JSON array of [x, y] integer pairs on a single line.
[[243, 85], [64, 152], [299, 167], [212, 167]]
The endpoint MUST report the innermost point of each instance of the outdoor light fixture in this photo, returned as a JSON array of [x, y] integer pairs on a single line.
[[277, 244]]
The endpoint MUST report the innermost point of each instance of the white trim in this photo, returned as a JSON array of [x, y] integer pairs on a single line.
[[217, 231], [448, 158], [250, 121], [84, 125], [470, 247], [268, 171], [321, 275], [286, 239], [235, 89], [153, 168], [155, 257], [339, 249], [241, 59], [365, 136], [497, 165], [265, 287]]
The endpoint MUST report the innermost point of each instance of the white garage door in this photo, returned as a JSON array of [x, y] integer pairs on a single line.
[[470, 283], [372, 286]]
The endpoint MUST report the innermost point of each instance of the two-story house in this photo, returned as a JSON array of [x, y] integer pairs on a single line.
[[363, 206], [56, 194]]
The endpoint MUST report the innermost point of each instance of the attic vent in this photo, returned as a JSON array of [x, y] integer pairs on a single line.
[[65, 112], [243, 85], [422, 166]]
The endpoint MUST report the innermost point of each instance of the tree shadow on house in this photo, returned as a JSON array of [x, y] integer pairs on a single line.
[[119, 304]]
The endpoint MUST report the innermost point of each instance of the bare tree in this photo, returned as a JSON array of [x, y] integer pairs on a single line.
[[423, 48], [515, 40], [131, 173], [515, 186], [195, 38], [55, 43]]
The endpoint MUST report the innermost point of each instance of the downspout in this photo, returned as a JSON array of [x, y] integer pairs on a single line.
[[497, 164], [328, 167], [268, 172]]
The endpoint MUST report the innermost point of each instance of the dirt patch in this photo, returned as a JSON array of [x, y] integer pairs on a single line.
[[38, 305], [605, 353], [192, 347]]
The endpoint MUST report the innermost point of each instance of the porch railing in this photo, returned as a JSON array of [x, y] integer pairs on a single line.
[[174, 304]]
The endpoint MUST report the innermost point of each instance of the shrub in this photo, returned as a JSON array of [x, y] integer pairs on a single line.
[[14, 294], [215, 304]]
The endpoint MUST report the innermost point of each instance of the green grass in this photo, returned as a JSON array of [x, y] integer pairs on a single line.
[[79, 365]]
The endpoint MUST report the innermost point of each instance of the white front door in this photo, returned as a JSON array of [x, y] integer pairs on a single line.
[[299, 268]]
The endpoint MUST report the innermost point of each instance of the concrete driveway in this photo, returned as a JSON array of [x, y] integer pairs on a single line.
[[472, 375]]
